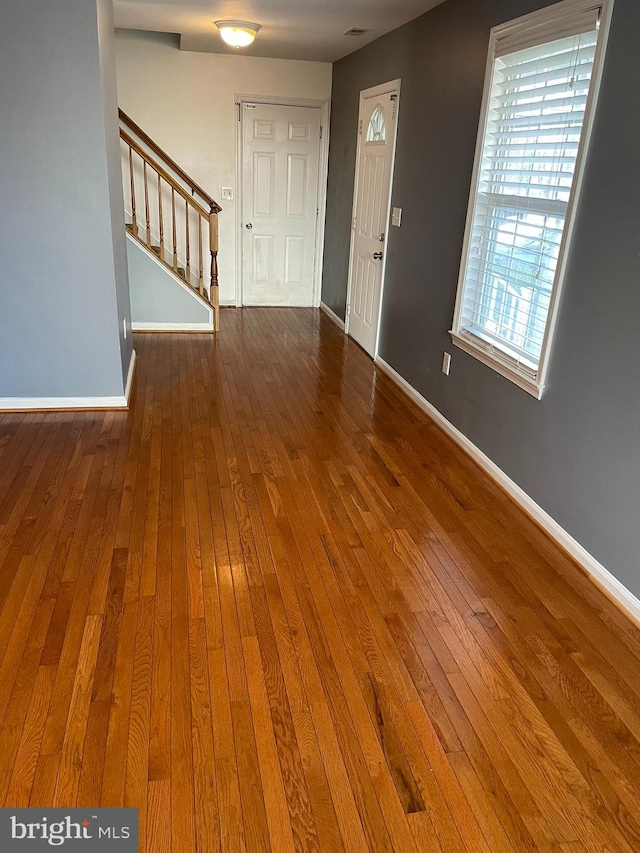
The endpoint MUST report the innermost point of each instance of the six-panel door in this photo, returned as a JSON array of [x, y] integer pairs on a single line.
[[281, 156]]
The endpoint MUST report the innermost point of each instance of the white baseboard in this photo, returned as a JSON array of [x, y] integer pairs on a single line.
[[28, 404], [332, 316], [601, 576], [172, 327]]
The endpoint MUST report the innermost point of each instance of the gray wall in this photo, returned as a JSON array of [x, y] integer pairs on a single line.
[[63, 278], [106, 40], [156, 297], [577, 451]]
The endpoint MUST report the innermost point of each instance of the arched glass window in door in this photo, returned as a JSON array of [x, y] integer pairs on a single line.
[[377, 130]]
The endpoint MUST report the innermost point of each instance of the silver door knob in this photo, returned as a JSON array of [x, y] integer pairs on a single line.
[[377, 256], [248, 226], [382, 238]]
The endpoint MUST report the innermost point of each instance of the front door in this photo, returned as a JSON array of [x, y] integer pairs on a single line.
[[376, 147], [280, 171]]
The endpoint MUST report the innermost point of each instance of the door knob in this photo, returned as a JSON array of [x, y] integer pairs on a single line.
[[382, 238], [377, 256], [248, 226]]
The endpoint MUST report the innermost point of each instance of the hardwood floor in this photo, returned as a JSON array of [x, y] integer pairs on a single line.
[[276, 609]]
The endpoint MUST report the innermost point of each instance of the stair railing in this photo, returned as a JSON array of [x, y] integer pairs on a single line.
[[157, 190]]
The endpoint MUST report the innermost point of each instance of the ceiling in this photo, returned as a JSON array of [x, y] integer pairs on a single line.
[[291, 29]]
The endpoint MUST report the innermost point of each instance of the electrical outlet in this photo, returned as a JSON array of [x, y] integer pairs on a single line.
[[446, 363], [227, 193], [396, 217]]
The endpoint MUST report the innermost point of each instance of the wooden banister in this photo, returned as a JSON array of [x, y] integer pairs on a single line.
[[134, 217], [177, 258], [163, 172], [137, 131]]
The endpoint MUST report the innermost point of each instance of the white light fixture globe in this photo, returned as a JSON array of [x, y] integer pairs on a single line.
[[238, 33]]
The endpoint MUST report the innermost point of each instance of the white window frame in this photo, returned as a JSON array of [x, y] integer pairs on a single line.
[[490, 355]]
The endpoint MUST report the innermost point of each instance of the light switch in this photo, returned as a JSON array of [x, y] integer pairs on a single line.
[[396, 217], [227, 193]]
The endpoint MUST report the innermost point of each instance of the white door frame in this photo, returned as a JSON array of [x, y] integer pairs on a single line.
[[383, 89], [323, 168]]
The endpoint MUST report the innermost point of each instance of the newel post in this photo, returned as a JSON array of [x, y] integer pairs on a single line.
[[214, 296]]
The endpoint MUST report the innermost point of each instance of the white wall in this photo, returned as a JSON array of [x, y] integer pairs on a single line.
[[186, 102]]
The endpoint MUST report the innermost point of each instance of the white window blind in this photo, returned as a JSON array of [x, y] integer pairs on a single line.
[[537, 99]]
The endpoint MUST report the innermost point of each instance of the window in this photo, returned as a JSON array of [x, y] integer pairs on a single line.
[[540, 93], [377, 130]]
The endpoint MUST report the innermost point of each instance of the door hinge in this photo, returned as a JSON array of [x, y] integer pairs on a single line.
[[321, 129], [360, 128], [394, 100], [239, 106]]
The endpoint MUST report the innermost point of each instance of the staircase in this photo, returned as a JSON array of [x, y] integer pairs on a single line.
[[168, 214]]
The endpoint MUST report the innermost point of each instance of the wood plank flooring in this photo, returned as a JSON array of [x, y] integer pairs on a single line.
[[276, 609]]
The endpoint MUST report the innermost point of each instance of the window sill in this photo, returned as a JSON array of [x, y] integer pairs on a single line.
[[501, 366]]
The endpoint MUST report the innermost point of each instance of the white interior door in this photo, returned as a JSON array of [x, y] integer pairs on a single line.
[[280, 171], [376, 149]]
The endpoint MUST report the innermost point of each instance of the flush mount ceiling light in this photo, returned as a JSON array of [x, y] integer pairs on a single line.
[[237, 33]]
